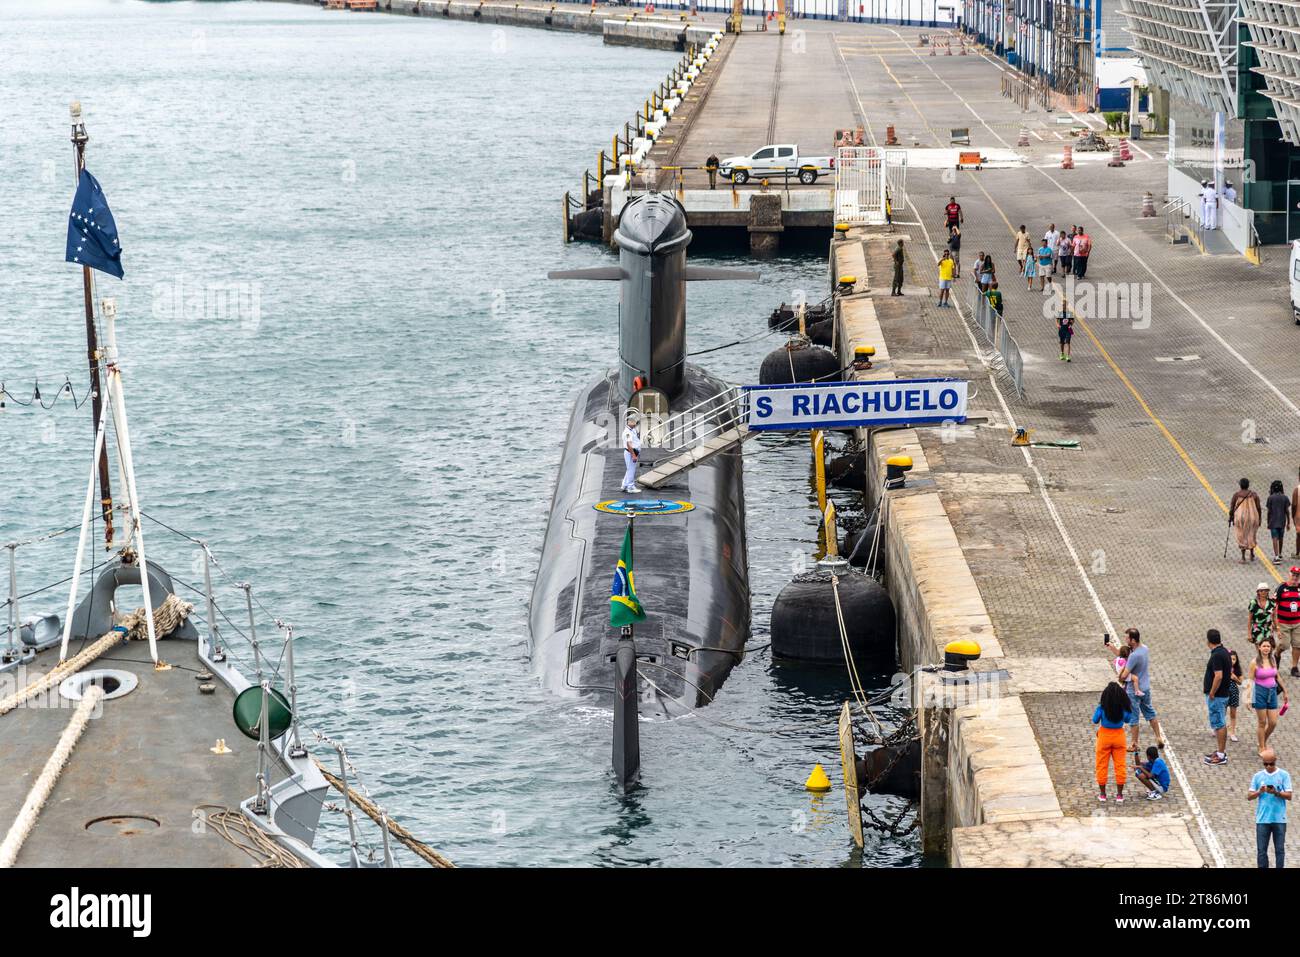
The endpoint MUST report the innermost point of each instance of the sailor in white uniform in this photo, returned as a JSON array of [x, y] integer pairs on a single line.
[[631, 450], [1209, 206]]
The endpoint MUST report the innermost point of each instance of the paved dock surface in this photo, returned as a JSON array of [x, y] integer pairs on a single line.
[[1186, 387], [1171, 407]]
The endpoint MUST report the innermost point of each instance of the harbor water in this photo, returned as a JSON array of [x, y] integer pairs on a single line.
[[346, 372]]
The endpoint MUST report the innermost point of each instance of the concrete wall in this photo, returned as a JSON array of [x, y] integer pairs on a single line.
[[633, 28]]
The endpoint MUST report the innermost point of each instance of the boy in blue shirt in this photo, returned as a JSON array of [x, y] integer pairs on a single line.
[[1154, 774], [1272, 788]]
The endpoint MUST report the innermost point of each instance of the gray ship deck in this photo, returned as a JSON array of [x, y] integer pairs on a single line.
[[146, 756]]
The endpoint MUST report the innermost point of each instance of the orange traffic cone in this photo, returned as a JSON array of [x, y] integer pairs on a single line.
[[1124, 152], [1067, 158]]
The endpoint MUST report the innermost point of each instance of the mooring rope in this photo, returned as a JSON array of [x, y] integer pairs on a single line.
[[242, 833], [167, 618], [417, 846], [49, 776]]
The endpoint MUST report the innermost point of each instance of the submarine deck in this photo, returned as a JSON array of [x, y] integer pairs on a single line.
[[128, 794]]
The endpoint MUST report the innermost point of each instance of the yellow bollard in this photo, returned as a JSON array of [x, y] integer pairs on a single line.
[[819, 466], [832, 533]]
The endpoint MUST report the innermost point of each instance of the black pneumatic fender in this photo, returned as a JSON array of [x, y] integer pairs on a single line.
[[808, 363], [805, 627]]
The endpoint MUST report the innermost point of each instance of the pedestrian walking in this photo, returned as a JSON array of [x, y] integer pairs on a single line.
[[1135, 677], [1295, 517], [1045, 254], [1154, 775], [1234, 694], [994, 296], [954, 247], [1023, 247], [1065, 333], [711, 166], [1271, 787], [1051, 237], [977, 270], [1286, 617], [947, 270], [631, 451], [1215, 687], [1030, 270], [1110, 717], [1209, 206], [952, 214], [987, 274], [1243, 518], [1268, 685], [1277, 507], [1261, 615], [897, 288], [1065, 252], [1082, 250]]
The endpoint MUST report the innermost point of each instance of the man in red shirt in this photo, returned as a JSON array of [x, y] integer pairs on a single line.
[[1286, 619], [952, 215]]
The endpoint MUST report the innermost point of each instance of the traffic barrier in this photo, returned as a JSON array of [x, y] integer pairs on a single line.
[[1124, 152], [1067, 158], [1023, 139], [1148, 205], [1115, 158]]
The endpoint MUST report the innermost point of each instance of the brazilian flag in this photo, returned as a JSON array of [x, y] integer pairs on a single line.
[[624, 607]]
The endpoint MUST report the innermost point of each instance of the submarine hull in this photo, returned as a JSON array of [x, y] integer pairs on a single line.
[[691, 568]]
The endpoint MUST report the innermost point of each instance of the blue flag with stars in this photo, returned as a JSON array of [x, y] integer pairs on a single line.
[[92, 234]]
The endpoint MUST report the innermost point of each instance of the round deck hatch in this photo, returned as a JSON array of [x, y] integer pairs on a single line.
[[114, 683], [123, 825]]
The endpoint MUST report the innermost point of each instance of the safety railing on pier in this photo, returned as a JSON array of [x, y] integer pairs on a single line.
[[265, 664], [1000, 338], [715, 416]]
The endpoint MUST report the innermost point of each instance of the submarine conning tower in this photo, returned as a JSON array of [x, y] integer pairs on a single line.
[[652, 238]]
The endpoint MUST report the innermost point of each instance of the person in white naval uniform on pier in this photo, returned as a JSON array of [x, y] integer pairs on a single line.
[[631, 450]]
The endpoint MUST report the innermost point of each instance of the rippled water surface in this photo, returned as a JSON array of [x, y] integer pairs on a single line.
[[374, 447]]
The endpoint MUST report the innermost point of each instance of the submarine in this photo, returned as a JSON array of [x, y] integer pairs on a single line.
[[690, 567]]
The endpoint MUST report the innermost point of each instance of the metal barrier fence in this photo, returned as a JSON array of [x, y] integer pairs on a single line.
[[1000, 338]]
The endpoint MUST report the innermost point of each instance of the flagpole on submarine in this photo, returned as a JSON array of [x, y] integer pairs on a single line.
[[627, 735], [79, 140]]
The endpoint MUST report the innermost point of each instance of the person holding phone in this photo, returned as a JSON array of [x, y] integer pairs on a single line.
[[1271, 787]]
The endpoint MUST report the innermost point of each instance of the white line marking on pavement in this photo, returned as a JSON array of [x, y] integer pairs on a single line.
[[1207, 832]]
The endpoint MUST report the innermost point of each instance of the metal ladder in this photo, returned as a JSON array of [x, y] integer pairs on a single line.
[[697, 434]]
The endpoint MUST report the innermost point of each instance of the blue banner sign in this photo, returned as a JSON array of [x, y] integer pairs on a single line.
[[840, 405]]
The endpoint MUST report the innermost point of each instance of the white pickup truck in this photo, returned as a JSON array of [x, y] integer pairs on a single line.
[[774, 161]]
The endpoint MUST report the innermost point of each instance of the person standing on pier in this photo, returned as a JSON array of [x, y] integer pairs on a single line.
[[1271, 787], [1110, 716], [1278, 507], [1082, 250], [952, 214], [631, 451], [1295, 517], [1215, 687], [1135, 678], [1029, 269], [995, 298], [1065, 333], [954, 247], [711, 165], [1243, 517], [1286, 619], [1045, 254], [896, 289], [947, 270], [1051, 239], [1023, 247], [1264, 674], [1065, 251], [1260, 615]]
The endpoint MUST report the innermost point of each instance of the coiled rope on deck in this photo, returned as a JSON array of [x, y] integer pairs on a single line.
[[40, 792], [243, 834]]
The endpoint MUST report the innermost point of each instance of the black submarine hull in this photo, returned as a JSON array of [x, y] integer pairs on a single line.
[[691, 569]]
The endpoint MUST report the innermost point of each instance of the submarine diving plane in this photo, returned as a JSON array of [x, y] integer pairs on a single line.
[[691, 568]]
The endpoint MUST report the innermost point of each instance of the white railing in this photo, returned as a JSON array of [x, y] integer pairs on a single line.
[[705, 420]]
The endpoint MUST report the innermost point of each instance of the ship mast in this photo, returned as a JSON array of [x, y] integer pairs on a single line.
[[79, 140]]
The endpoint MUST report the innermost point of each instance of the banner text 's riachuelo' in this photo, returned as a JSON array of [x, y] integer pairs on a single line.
[[850, 404]]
